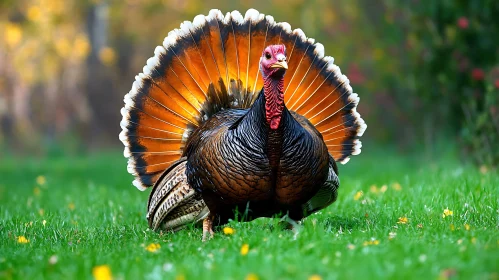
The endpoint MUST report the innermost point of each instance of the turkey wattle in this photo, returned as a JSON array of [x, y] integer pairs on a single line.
[[242, 114]]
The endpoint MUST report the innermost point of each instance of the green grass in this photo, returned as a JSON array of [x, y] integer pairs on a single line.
[[107, 226]]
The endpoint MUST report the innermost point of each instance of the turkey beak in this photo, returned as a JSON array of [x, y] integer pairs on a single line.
[[280, 64]]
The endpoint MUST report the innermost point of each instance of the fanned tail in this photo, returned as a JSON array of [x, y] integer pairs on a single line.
[[212, 64]]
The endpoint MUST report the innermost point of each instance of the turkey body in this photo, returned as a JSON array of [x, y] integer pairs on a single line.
[[238, 113], [238, 163]]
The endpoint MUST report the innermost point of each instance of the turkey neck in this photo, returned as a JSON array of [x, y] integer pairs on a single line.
[[274, 107]]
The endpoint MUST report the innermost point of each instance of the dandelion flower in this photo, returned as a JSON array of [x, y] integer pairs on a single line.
[[402, 220], [22, 239], [396, 186], [374, 189], [251, 276], [466, 227], [102, 272], [244, 249], [447, 212], [40, 180], [452, 227], [228, 231], [315, 277], [383, 188], [371, 242], [358, 195], [153, 247]]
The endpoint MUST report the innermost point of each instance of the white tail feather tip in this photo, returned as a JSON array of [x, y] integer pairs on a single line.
[[300, 34], [251, 15], [319, 50], [139, 185], [199, 21], [362, 128], [285, 26], [345, 160], [237, 17]]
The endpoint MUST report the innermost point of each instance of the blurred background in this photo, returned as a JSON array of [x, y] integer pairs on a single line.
[[427, 72]]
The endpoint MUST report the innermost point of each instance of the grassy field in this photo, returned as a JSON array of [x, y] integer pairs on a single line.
[[396, 218]]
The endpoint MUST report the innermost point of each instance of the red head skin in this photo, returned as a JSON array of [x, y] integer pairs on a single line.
[[273, 66]]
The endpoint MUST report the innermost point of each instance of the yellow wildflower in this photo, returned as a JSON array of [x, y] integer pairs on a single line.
[[396, 186], [371, 242], [153, 247], [351, 246], [315, 277], [102, 272], [41, 211], [244, 249], [447, 212], [22, 239], [251, 276], [358, 195], [374, 189], [402, 220], [473, 240], [466, 227], [383, 188], [36, 191], [180, 277], [452, 227], [40, 180], [71, 206], [228, 231]]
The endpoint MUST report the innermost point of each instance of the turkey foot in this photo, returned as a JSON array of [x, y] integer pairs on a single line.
[[287, 223], [208, 227]]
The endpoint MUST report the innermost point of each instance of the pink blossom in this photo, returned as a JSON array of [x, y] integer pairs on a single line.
[[496, 83], [463, 23]]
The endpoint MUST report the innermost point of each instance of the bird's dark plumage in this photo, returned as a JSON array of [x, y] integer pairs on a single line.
[[256, 111]]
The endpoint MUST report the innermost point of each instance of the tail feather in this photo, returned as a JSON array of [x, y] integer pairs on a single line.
[[212, 64], [173, 204]]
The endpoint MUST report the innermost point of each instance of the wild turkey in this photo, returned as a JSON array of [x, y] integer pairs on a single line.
[[238, 113]]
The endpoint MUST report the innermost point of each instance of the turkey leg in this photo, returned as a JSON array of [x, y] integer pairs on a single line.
[[208, 227]]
